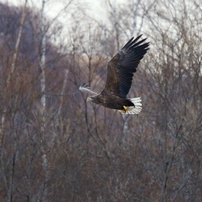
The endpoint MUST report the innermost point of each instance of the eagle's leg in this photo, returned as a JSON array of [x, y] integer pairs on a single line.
[[135, 109], [124, 109]]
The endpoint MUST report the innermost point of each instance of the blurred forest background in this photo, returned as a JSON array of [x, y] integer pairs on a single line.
[[55, 147]]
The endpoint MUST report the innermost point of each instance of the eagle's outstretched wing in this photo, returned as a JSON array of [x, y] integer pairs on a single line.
[[122, 66], [86, 88]]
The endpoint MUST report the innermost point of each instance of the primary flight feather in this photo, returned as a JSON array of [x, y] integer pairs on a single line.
[[120, 72]]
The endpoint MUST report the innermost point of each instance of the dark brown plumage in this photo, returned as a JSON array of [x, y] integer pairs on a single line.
[[120, 72]]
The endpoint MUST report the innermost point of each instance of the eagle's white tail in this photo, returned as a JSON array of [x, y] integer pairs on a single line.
[[133, 109]]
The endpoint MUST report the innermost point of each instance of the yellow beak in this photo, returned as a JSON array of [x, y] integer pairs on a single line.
[[88, 99]]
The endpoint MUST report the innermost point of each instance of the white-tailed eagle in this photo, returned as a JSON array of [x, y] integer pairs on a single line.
[[120, 71]]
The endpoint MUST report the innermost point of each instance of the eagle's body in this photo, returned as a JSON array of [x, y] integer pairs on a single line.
[[111, 101], [119, 79]]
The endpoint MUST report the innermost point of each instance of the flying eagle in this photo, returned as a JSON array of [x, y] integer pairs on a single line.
[[120, 71]]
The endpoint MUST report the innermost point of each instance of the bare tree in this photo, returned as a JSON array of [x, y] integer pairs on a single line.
[[86, 152]]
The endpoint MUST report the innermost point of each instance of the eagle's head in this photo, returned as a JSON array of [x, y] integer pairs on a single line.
[[89, 99]]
